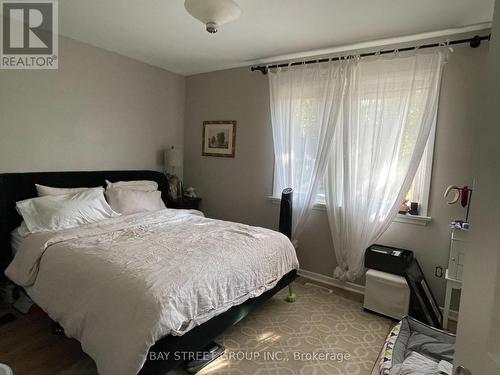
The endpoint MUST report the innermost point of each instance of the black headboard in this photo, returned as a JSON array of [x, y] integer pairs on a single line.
[[18, 186]]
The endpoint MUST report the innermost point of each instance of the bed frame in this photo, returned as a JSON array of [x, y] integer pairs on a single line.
[[18, 186]]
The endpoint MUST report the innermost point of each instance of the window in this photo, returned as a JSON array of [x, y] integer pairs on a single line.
[[420, 187], [321, 198], [379, 126]]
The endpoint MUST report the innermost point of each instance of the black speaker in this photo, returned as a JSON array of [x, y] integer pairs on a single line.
[[286, 212]]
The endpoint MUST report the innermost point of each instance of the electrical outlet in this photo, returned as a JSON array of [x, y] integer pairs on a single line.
[[438, 272]]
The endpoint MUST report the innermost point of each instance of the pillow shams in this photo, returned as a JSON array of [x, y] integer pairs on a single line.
[[22, 230], [65, 211], [43, 191], [127, 201], [17, 236], [143, 185]]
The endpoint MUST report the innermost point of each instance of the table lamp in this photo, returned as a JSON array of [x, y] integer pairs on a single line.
[[173, 160]]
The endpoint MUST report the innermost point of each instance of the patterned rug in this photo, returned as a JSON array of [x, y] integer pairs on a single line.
[[321, 333]]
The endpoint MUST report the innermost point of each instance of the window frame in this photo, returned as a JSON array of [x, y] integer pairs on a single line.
[[424, 205]]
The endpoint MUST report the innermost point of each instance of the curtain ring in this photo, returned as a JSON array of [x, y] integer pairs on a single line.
[[448, 45], [381, 52]]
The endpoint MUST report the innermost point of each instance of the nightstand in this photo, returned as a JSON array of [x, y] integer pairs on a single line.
[[185, 203]]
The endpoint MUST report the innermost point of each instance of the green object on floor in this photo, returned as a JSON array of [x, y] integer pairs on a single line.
[[291, 297]]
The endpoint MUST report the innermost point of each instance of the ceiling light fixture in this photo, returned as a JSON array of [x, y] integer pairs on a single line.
[[213, 13]]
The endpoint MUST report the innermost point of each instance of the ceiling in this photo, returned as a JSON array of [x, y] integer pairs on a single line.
[[162, 33]]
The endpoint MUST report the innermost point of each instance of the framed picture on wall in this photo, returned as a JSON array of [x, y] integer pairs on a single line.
[[219, 138]]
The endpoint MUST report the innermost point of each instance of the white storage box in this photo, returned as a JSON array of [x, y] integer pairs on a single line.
[[386, 294]]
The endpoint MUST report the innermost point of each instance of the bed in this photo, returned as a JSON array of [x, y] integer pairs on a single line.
[[178, 325]]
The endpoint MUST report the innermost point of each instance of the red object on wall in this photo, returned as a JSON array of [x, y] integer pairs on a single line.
[[464, 196]]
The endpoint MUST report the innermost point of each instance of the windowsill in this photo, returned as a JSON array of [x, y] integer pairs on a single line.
[[407, 219], [413, 219]]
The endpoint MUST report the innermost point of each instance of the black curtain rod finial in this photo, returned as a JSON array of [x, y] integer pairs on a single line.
[[262, 69], [475, 42]]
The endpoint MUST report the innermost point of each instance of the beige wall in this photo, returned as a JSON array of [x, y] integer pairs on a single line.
[[236, 189], [100, 110]]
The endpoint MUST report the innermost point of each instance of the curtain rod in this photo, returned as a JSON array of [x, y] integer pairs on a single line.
[[474, 42]]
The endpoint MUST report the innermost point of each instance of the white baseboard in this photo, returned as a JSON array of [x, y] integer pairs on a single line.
[[352, 287], [346, 285]]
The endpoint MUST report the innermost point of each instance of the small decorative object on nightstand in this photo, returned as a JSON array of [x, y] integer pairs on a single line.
[[185, 203], [190, 192]]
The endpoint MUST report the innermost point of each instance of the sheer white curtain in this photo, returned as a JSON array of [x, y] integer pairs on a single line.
[[388, 111], [305, 104]]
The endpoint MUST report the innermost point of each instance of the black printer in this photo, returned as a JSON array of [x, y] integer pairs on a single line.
[[388, 259]]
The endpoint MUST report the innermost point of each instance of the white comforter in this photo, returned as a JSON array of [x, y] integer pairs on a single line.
[[120, 285]]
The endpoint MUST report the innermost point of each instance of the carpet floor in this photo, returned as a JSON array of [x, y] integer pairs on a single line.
[[322, 333]]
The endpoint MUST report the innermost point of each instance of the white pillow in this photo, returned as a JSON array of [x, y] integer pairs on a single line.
[[127, 201], [416, 364], [143, 185], [56, 212], [22, 230], [17, 236], [43, 191]]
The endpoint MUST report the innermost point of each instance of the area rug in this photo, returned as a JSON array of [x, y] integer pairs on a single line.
[[321, 333]]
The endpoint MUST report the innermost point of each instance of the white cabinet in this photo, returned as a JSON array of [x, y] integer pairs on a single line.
[[455, 269], [386, 294], [457, 251]]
